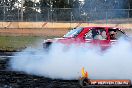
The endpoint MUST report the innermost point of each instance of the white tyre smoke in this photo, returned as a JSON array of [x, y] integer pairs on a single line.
[[66, 63]]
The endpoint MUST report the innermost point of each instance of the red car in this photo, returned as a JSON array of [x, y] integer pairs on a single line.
[[102, 36]]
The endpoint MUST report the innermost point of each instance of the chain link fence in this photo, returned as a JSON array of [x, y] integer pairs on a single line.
[[37, 14]]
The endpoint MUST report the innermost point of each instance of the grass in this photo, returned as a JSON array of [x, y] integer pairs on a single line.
[[16, 43]]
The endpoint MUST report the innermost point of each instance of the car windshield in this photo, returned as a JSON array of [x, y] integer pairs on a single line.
[[115, 34], [74, 32]]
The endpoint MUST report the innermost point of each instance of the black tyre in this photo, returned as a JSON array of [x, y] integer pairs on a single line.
[[47, 45]]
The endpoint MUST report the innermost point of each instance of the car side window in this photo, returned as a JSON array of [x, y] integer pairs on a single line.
[[96, 33], [115, 34]]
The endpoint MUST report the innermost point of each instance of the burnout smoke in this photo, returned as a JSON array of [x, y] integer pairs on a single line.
[[66, 63]]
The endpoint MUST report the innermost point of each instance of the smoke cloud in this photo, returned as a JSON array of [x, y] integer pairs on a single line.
[[65, 62]]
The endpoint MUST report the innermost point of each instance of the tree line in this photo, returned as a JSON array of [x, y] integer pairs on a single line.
[[45, 9]]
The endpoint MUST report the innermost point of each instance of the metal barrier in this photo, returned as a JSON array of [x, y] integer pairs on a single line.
[[37, 14]]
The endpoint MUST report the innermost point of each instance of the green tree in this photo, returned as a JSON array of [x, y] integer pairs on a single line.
[[31, 12], [105, 9], [8, 10], [52, 9]]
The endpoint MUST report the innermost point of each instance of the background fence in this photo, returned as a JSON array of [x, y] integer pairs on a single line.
[[34, 14]]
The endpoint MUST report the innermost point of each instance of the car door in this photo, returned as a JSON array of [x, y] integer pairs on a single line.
[[115, 34], [97, 36]]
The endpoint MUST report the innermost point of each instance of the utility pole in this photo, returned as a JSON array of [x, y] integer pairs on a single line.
[[68, 2], [22, 2], [51, 9], [129, 8], [129, 4], [5, 7]]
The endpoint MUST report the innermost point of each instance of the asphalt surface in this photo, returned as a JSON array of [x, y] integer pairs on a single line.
[[13, 79]]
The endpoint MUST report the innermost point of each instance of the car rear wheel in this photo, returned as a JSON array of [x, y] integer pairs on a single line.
[[47, 46]]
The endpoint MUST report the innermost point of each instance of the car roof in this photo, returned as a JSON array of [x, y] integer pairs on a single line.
[[105, 27]]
